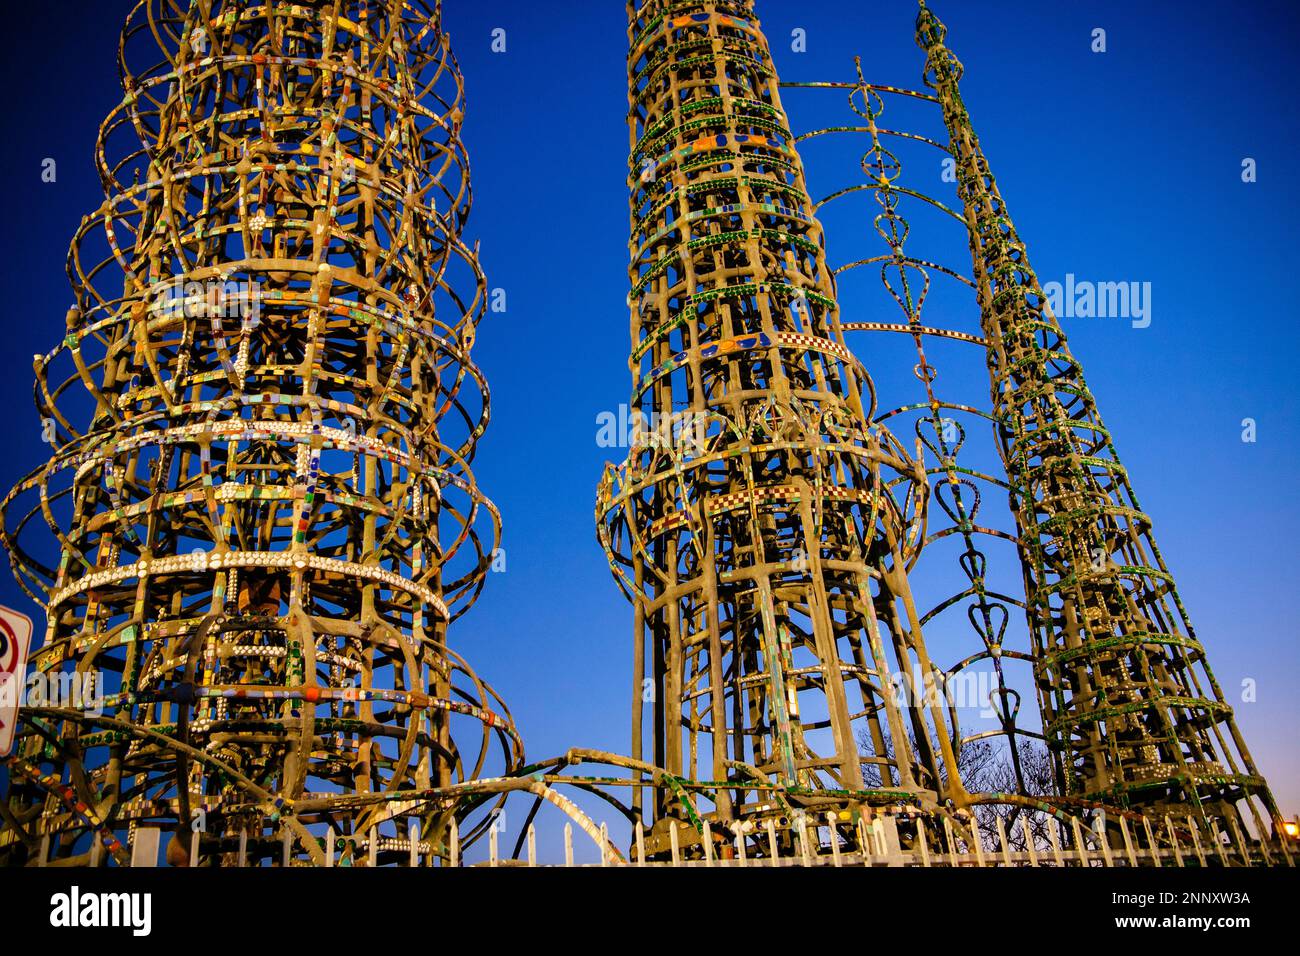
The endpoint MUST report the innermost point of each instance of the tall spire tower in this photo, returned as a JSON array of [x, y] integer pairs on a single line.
[[264, 412], [1130, 705], [762, 526]]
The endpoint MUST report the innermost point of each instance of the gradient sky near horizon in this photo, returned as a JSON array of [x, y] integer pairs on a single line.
[[1122, 166]]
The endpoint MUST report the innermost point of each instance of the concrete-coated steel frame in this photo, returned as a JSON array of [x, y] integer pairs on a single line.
[[1129, 703], [264, 412], [763, 524]]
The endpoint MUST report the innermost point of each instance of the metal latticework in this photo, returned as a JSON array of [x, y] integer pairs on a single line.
[[763, 526], [1129, 703], [264, 412], [967, 523]]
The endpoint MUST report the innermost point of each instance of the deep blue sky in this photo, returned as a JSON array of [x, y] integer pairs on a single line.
[[1119, 166]]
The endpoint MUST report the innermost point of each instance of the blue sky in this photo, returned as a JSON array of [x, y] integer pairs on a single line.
[[1121, 166]]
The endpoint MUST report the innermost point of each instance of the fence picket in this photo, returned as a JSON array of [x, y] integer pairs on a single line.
[[1196, 840], [1079, 845], [1029, 840], [1128, 842]]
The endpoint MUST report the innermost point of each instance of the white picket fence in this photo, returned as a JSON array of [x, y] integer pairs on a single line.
[[832, 843]]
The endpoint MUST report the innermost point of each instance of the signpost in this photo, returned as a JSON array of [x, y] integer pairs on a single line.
[[15, 641]]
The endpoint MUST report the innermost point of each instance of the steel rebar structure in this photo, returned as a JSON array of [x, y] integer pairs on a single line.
[[764, 527], [264, 412], [1128, 700]]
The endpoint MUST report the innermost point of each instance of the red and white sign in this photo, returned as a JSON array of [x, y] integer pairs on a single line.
[[15, 641]]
